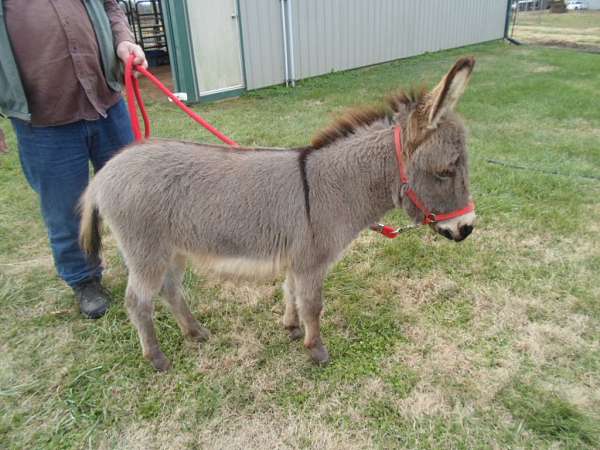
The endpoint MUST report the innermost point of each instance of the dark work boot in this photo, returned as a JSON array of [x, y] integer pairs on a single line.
[[92, 297]]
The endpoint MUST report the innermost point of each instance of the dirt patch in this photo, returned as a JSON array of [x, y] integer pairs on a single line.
[[149, 91]]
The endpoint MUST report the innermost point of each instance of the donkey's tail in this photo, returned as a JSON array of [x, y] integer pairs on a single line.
[[90, 239]]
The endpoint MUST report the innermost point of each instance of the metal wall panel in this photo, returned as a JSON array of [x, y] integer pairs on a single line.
[[262, 42], [333, 35]]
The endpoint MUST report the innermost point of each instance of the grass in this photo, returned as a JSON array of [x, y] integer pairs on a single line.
[[578, 29], [492, 343], [547, 414]]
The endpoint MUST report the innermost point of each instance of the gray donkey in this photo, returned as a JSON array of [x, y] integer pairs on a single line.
[[261, 211]]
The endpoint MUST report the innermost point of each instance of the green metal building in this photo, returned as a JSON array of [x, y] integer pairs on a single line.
[[219, 48]]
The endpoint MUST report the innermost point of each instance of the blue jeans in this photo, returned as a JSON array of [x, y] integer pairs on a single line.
[[55, 161]]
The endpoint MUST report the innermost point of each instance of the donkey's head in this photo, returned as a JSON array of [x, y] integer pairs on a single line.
[[435, 152]]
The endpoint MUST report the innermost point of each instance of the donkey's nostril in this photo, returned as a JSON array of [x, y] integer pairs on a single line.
[[465, 230], [446, 233]]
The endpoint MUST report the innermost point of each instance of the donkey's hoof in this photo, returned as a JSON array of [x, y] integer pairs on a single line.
[[160, 362], [319, 355], [199, 334], [295, 333]]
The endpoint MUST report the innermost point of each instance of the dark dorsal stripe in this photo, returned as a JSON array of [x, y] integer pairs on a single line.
[[303, 155]]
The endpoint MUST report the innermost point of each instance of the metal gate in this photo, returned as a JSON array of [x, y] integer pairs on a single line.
[[146, 20]]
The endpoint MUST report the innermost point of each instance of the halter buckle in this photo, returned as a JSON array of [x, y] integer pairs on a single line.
[[430, 218], [378, 227]]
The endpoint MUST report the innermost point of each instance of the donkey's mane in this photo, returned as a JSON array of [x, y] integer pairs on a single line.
[[363, 116]]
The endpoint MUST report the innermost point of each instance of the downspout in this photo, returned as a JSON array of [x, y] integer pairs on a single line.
[[507, 18], [507, 23], [285, 43], [291, 43]]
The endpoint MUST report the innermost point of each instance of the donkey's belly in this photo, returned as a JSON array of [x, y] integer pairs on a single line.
[[238, 267]]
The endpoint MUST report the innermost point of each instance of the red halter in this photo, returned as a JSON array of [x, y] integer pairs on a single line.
[[428, 216]]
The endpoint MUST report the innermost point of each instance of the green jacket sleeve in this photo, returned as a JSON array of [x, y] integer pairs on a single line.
[[13, 102]]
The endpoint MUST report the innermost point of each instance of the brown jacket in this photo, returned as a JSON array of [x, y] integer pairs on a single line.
[[59, 59]]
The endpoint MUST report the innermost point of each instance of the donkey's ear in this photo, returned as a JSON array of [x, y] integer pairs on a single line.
[[446, 94]]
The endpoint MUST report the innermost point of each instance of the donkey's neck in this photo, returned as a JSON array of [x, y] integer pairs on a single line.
[[354, 179]]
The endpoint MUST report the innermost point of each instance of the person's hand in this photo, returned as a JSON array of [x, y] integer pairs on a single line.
[[3, 146], [126, 48]]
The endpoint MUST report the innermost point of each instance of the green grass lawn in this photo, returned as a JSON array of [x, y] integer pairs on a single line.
[[579, 29], [580, 20], [491, 343]]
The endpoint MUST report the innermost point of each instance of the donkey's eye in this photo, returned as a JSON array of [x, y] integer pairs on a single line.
[[446, 173]]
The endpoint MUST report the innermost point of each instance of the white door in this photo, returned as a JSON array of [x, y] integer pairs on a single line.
[[217, 47]]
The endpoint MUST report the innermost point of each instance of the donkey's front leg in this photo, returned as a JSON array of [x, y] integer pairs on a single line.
[[309, 301], [290, 316]]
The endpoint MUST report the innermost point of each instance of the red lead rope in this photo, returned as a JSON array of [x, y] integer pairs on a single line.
[[132, 87]]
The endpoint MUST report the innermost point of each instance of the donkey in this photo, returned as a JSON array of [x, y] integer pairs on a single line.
[[258, 212]]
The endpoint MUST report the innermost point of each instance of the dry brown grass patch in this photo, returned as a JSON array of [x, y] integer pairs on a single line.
[[277, 430], [543, 69], [425, 400], [585, 394], [421, 291], [241, 354], [545, 342], [163, 433], [497, 310], [20, 267], [244, 293]]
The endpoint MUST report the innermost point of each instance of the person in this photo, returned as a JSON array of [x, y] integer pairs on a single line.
[[60, 84]]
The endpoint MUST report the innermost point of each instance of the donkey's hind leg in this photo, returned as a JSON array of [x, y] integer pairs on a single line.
[[138, 299], [291, 322], [172, 290], [309, 301]]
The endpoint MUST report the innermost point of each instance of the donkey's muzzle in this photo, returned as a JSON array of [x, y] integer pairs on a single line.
[[456, 230], [463, 232]]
